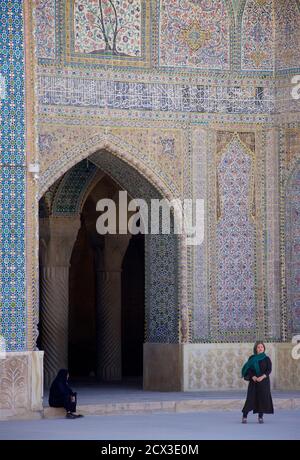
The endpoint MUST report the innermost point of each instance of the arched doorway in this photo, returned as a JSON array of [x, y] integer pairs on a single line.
[[84, 328], [64, 202]]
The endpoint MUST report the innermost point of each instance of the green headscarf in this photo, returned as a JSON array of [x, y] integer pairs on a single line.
[[253, 362]]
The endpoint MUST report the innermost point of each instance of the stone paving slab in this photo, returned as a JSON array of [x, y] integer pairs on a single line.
[[130, 398], [118, 399], [187, 405], [96, 394], [216, 425]]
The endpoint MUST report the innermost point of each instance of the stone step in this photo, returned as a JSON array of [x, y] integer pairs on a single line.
[[204, 405]]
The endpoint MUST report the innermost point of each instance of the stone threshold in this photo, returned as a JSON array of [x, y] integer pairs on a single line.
[[147, 407], [204, 405]]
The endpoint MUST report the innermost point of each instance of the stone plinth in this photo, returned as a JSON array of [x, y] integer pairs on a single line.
[[21, 385], [217, 366], [162, 367]]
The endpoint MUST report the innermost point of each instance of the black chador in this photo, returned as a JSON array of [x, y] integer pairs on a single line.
[[259, 399]]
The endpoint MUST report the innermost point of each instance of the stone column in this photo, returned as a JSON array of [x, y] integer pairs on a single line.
[[57, 238], [109, 253]]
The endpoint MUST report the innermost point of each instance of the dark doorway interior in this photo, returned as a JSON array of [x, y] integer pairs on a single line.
[[82, 308], [133, 307]]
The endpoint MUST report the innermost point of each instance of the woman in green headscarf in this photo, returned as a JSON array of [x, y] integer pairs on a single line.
[[257, 370]]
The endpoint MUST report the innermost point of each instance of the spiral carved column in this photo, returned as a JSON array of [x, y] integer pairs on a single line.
[[109, 255], [57, 237]]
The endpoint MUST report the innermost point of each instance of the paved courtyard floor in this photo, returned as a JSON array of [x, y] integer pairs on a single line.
[[212, 425]]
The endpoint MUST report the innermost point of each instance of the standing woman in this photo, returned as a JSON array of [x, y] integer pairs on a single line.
[[257, 370]]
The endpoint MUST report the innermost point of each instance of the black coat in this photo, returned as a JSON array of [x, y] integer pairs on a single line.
[[259, 397], [60, 392]]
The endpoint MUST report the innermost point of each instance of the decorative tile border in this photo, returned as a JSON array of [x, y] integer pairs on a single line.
[[272, 234], [13, 314], [68, 197], [83, 91], [31, 219], [200, 311]]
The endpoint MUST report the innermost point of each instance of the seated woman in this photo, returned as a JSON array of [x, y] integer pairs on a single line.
[[61, 395]]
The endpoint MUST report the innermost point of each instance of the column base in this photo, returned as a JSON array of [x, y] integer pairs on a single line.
[[162, 367], [21, 385], [109, 374]]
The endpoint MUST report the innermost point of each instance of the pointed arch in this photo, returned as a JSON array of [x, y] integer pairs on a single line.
[[122, 162], [116, 147], [69, 194]]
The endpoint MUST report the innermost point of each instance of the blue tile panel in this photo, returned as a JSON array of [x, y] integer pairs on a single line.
[[12, 176]]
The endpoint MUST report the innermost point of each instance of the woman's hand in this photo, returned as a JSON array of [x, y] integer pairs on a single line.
[[254, 378], [261, 378]]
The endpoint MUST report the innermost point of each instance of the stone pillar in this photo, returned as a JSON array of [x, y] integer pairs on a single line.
[[109, 253], [57, 238]]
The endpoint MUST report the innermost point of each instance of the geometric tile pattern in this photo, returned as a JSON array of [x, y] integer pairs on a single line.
[[162, 316], [235, 219], [200, 310], [12, 178], [258, 35], [45, 28], [70, 193], [289, 142], [127, 176], [272, 237], [59, 139], [161, 147], [181, 35], [287, 16], [194, 34], [235, 240], [293, 250]]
